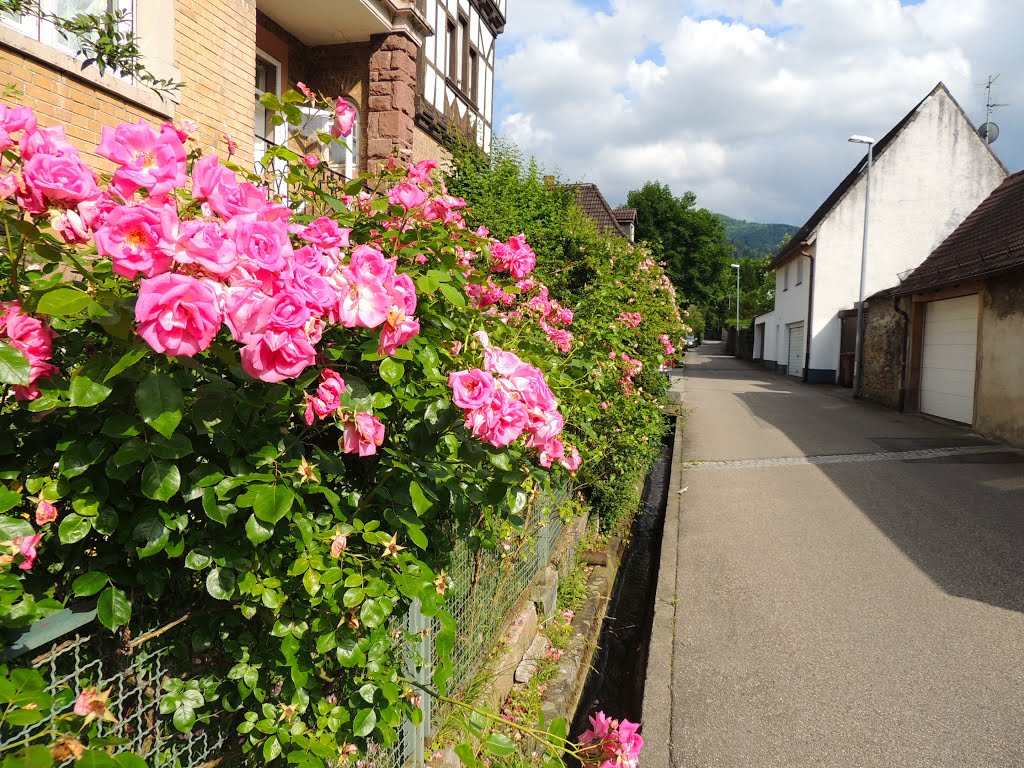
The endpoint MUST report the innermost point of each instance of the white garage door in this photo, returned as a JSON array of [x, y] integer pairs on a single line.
[[948, 358], [795, 365]]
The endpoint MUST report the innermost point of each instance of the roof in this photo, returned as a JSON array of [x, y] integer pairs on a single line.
[[590, 199], [625, 215], [791, 248], [989, 241]]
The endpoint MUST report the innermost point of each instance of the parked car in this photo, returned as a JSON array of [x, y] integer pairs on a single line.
[[691, 341]]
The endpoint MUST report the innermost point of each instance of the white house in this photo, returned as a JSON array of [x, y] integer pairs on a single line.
[[929, 172]]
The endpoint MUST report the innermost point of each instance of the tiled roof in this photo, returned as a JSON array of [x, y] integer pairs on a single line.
[[590, 199], [792, 246], [989, 241], [625, 215]]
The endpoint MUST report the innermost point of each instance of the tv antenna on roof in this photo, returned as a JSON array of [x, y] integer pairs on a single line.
[[990, 131]]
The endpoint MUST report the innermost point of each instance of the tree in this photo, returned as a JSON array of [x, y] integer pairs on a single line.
[[690, 240]]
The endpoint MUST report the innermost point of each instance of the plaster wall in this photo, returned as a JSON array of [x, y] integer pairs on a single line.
[[790, 307], [1000, 400], [932, 175]]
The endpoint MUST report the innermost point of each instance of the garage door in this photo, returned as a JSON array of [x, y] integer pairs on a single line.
[[795, 364], [948, 358]]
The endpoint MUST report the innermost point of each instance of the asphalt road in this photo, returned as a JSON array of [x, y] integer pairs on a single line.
[[847, 585]]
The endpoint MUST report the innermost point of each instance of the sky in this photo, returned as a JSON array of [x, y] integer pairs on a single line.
[[748, 103]]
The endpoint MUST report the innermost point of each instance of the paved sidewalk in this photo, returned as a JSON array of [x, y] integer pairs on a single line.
[[841, 585]]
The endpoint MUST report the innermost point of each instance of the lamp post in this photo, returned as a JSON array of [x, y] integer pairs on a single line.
[[858, 355], [736, 346]]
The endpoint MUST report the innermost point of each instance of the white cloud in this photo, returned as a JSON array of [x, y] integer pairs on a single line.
[[746, 102]]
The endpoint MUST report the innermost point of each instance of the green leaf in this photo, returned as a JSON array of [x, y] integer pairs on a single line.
[[198, 559], [271, 749], [364, 722], [350, 654], [95, 758], [272, 502], [73, 528], [374, 612], [128, 359], [419, 501], [184, 717], [87, 387], [131, 451], [220, 583], [499, 744], [14, 366], [465, 754], [8, 499], [129, 760], [113, 608], [61, 302], [89, 584], [257, 531], [160, 480], [160, 403], [453, 294], [311, 581], [10, 527], [391, 370], [416, 536], [36, 756], [153, 533]]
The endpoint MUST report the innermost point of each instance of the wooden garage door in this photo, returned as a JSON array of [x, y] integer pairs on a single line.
[[795, 363], [948, 358]]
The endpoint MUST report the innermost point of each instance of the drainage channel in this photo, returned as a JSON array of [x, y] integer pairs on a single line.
[[616, 680]]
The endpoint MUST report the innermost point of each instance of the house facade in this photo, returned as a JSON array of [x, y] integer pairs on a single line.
[[410, 68], [961, 320], [929, 172]]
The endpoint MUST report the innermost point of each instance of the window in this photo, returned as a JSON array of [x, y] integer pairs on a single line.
[[46, 32], [266, 134], [785, 278], [463, 79], [474, 75], [340, 159], [453, 52], [799, 271]]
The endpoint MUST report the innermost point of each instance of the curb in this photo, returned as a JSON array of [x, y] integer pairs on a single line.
[[657, 706]]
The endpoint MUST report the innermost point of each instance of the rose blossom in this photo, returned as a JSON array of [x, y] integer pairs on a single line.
[[407, 195], [471, 389], [45, 512], [56, 180], [205, 244], [27, 547], [327, 398], [363, 433], [311, 161], [12, 120], [151, 159], [139, 239], [34, 340], [276, 355], [177, 314], [338, 545], [344, 118], [363, 299]]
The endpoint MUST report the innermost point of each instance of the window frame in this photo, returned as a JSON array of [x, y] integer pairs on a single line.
[[799, 271], [45, 33], [351, 162], [785, 278]]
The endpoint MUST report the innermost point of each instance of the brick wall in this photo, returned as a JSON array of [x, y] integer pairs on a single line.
[[214, 53], [392, 97], [884, 350]]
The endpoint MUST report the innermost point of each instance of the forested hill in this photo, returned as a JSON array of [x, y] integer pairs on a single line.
[[753, 239]]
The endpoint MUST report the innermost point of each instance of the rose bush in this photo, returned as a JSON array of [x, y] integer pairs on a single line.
[[268, 417]]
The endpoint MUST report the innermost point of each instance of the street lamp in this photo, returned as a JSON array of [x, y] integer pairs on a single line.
[[858, 355], [736, 346]]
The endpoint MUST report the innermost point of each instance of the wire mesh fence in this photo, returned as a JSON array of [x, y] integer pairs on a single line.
[[486, 586]]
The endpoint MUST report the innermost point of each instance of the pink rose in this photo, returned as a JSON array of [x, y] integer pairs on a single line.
[[338, 545], [12, 120], [8, 185], [261, 245], [344, 118], [47, 141], [363, 433], [45, 512], [139, 238], [34, 340], [311, 161], [364, 300], [326, 233], [407, 195], [62, 180], [27, 547], [69, 224], [393, 336], [500, 422], [327, 398], [205, 244], [177, 314], [305, 90], [471, 389], [276, 355], [151, 159], [420, 173]]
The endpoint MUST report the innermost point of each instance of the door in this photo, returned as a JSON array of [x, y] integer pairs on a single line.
[[795, 364], [948, 358]]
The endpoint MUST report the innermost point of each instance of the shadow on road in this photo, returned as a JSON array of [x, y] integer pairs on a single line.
[[959, 518]]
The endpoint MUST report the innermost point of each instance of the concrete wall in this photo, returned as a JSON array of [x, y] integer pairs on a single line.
[[885, 343], [1000, 399], [934, 173]]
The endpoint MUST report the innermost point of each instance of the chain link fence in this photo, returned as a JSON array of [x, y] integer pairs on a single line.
[[486, 586]]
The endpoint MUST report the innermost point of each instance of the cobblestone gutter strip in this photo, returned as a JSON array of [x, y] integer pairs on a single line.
[[657, 710], [848, 458]]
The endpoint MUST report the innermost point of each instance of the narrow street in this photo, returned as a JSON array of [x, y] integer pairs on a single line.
[[842, 585]]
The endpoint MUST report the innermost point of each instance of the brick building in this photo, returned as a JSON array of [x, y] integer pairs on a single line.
[[409, 67]]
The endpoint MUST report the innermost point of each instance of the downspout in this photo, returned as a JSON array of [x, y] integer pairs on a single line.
[[905, 353], [810, 313]]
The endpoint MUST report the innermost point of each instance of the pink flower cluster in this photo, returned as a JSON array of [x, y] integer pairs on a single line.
[[25, 546], [362, 432], [549, 314], [516, 258], [34, 340], [667, 342], [610, 743], [507, 398], [630, 319], [631, 368]]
